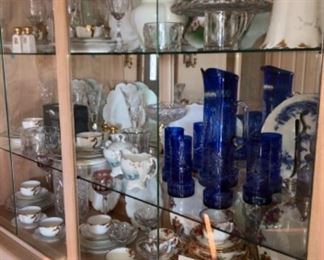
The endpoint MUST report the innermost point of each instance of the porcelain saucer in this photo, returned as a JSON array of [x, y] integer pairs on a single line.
[[86, 234], [27, 226], [39, 196], [46, 202], [38, 236]]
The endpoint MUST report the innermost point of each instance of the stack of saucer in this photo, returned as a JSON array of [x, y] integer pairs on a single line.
[[95, 244], [32, 194], [94, 236]]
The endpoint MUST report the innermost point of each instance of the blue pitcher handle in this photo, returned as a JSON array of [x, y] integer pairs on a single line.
[[239, 142]]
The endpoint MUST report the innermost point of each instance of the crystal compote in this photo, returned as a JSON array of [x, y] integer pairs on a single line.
[[103, 183], [165, 113], [118, 9]]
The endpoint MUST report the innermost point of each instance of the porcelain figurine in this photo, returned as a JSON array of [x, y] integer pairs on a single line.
[[137, 168], [112, 152], [301, 22]]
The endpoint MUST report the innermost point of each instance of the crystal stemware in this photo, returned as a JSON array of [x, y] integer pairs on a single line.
[[37, 15], [103, 182], [118, 9]]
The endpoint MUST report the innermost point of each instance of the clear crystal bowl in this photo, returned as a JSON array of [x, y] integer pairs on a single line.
[[166, 112]]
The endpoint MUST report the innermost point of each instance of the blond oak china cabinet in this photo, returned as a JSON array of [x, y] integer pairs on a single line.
[[76, 80]]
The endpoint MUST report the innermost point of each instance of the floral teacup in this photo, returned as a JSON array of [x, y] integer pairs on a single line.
[[137, 168], [162, 243]]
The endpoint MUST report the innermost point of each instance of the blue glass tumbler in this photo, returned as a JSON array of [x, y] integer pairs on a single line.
[[168, 132], [188, 151], [277, 87], [180, 181], [263, 168], [254, 128], [198, 128]]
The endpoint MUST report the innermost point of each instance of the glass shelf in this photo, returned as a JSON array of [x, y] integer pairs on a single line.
[[184, 51], [119, 213], [186, 212], [41, 162]]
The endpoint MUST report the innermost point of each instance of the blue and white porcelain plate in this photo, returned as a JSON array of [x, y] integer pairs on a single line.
[[282, 120]]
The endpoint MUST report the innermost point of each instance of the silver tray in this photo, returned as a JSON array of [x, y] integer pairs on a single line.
[[199, 7]]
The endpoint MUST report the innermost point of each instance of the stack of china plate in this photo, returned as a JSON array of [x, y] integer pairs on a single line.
[[95, 244], [43, 199]]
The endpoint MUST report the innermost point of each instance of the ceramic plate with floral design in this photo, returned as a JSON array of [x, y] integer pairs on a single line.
[[282, 120]]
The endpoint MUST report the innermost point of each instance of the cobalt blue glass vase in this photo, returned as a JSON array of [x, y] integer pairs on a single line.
[[220, 107], [276, 88], [198, 129], [168, 132], [180, 181]]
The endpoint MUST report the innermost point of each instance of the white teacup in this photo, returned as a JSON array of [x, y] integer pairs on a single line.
[[29, 214], [166, 241], [30, 188], [30, 122], [98, 224], [218, 236], [89, 139], [50, 227]]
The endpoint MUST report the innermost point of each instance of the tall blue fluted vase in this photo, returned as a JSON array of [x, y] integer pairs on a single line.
[[218, 174]]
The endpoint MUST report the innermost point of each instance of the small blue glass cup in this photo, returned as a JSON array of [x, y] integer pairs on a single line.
[[180, 181], [168, 132], [218, 197], [198, 144], [257, 192]]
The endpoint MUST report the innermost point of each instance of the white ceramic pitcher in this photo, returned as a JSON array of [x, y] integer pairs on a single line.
[[137, 168]]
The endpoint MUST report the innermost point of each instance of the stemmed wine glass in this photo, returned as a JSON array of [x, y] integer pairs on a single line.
[[118, 9], [103, 182]]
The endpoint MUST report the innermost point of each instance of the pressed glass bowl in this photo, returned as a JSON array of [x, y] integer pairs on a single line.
[[166, 112]]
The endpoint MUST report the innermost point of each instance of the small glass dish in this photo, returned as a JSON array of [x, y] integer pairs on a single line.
[[123, 233], [147, 217], [164, 36]]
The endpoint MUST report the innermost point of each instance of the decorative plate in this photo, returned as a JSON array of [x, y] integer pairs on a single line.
[[282, 120]]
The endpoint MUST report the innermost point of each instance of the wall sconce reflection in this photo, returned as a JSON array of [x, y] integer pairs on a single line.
[[190, 60]]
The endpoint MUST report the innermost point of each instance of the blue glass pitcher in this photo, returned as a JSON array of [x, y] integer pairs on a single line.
[[276, 88], [219, 133]]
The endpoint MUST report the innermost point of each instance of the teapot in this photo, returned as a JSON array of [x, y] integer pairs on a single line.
[[138, 168], [112, 152]]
